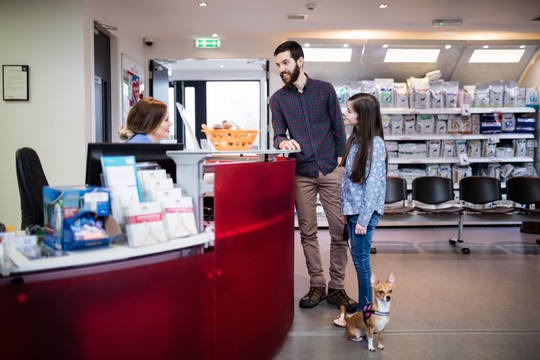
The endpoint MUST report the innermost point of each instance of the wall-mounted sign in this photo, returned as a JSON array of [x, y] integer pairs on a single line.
[[15, 82], [208, 43]]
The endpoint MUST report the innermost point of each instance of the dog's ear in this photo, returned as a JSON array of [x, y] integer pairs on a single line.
[[374, 280], [391, 279]]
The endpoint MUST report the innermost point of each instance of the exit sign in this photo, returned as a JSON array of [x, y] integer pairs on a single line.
[[208, 43]]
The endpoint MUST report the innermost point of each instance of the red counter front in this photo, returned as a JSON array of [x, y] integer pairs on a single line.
[[167, 306]]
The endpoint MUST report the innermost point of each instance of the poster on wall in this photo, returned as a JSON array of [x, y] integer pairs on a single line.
[[132, 84]]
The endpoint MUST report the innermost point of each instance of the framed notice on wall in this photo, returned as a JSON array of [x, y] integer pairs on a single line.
[[15, 82], [132, 84]]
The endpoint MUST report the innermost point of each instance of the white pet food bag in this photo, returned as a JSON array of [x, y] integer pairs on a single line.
[[496, 93], [451, 89], [508, 123], [441, 126], [531, 96], [368, 86], [468, 95], [436, 89], [409, 123], [420, 93], [425, 124], [511, 92], [341, 92], [481, 95], [396, 124], [385, 92], [353, 88], [401, 95], [387, 129]]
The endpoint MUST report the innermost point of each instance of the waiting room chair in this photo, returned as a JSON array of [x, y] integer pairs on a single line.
[[435, 195], [396, 191], [31, 179], [524, 190]]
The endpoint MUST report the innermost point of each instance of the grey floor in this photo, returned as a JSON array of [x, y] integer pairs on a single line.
[[446, 305]]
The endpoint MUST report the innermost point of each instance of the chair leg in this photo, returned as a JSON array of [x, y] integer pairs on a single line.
[[538, 241], [373, 250], [460, 245]]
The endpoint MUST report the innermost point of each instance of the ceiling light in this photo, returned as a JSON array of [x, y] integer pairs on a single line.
[[448, 46], [345, 45], [485, 47], [383, 6], [385, 46], [328, 54], [203, 3], [522, 47], [497, 56], [307, 45], [214, 35], [412, 55]]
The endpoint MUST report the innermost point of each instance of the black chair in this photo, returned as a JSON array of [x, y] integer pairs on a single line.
[[524, 190], [31, 179], [481, 190], [436, 197], [396, 191]]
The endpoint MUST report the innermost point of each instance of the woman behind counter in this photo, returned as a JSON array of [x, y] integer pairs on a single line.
[[147, 122]]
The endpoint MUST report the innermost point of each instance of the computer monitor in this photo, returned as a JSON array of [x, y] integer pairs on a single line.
[[144, 153]]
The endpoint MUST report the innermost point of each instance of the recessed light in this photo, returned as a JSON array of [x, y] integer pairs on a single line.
[[214, 35], [497, 56], [385, 46], [522, 47], [485, 47], [203, 3], [412, 55], [307, 45], [383, 6], [448, 46], [222, 66], [345, 45]]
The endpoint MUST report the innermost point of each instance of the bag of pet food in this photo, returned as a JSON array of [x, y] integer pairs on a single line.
[[451, 89], [354, 87], [436, 89], [368, 86], [425, 124], [409, 124], [531, 96], [496, 93], [342, 95], [511, 91], [401, 95], [420, 93], [396, 124], [481, 95], [441, 126], [385, 92]]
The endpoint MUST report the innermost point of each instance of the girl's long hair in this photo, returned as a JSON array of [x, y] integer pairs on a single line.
[[369, 125]]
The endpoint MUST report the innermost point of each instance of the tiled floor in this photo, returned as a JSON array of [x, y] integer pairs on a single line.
[[446, 305]]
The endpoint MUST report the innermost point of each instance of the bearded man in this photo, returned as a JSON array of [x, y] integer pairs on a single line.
[[306, 116]]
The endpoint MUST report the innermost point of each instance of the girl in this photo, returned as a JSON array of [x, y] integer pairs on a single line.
[[147, 122], [363, 184]]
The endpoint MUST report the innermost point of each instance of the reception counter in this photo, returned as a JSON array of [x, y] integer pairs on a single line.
[[230, 300]]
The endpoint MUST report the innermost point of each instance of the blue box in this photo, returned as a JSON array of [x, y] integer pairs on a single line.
[[61, 206]]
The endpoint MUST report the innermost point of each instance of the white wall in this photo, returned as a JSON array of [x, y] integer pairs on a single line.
[[55, 38], [48, 36]]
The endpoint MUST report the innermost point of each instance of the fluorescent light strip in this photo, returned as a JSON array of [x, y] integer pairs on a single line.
[[497, 56], [412, 55], [327, 54]]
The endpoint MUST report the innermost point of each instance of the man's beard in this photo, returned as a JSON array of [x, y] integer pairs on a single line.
[[292, 76]]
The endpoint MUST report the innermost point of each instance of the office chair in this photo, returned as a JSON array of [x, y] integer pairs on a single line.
[[524, 190], [31, 179], [432, 191]]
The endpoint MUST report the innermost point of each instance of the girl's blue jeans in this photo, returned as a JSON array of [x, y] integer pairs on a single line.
[[360, 251]]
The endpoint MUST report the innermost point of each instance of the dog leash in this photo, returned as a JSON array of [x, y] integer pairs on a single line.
[[368, 309]]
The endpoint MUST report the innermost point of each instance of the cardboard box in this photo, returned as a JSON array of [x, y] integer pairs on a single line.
[[62, 206]]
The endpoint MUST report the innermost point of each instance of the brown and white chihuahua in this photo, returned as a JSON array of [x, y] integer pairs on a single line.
[[374, 318]]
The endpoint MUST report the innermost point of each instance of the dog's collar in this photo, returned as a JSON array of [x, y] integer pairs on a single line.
[[368, 311]]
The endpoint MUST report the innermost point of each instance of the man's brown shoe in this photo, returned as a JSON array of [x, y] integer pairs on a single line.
[[313, 297], [339, 297]]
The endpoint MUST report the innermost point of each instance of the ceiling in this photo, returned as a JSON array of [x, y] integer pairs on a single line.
[[360, 23], [332, 19]]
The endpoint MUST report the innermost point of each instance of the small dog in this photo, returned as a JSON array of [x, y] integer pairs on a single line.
[[372, 319]]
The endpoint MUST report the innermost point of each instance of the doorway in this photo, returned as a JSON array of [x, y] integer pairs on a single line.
[[102, 86], [216, 90]]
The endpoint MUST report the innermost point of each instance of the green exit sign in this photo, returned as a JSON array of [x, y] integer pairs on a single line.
[[208, 43]]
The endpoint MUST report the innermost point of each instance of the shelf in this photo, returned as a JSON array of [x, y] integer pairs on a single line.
[[455, 160], [457, 137], [459, 111]]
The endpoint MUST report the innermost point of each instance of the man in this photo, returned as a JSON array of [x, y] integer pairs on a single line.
[[308, 110]]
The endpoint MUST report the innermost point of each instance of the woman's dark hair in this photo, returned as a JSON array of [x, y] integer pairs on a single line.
[[369, 125], [143, 118], [293, 47]]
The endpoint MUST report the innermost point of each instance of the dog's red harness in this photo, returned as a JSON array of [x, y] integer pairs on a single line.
[[368, 310]]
